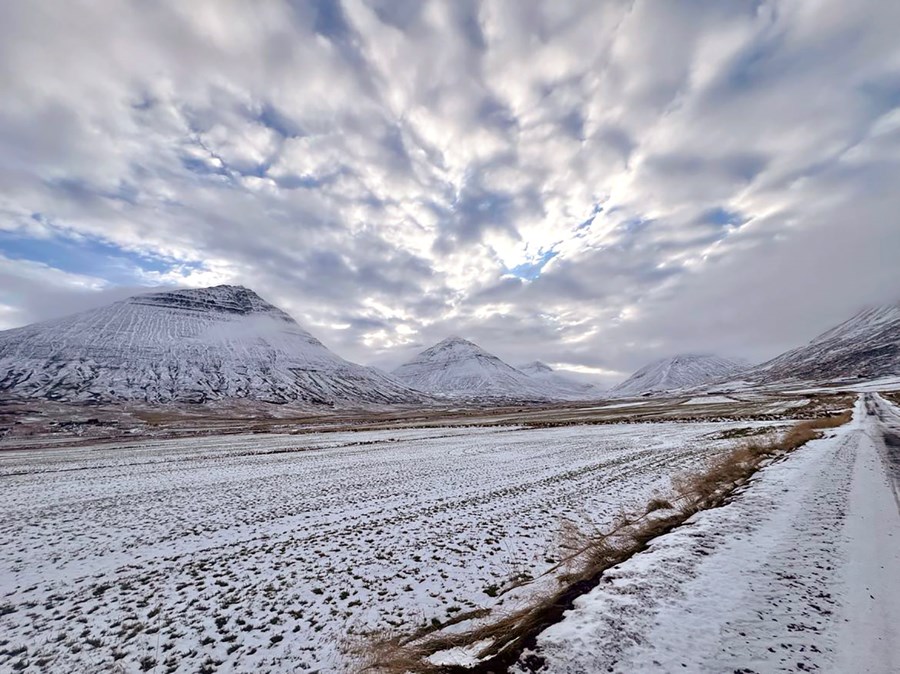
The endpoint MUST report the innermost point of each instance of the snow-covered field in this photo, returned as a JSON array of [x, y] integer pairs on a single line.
[[799, 573], [269, 553]]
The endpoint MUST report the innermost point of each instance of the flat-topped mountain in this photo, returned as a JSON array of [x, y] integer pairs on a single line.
[[682, 371], [195, 345]]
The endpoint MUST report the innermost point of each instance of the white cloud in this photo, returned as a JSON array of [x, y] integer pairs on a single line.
[[378, 171]]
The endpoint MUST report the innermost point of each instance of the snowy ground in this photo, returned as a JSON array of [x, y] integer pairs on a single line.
[[798, 573], [265, 553]]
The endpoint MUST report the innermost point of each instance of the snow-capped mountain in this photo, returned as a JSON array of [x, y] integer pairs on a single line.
[[562, 386], [185, 346], [867, 345], [682, 371], [459, 368]]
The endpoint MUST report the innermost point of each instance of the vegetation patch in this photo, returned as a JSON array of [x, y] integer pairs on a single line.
[[496, 639], [743, 432]]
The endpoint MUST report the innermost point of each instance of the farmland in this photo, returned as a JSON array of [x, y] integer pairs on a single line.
[[282, 552]]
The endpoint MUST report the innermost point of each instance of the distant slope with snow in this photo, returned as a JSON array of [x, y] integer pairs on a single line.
[[560, 385], [457, 367], [867, 346], [192, 346], [677, 372]]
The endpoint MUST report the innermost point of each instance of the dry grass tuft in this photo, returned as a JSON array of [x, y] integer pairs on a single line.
[[658, 504], [586, 554], [892, 396]]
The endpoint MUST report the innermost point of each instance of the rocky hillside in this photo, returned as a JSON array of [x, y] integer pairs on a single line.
[[677, 372], [867, 345], [189, 346], [459, 368]]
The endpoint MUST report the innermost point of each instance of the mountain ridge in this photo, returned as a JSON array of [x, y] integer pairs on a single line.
[[565, 387], [865, 345], [677, 372], [188, 346], [457, 367]]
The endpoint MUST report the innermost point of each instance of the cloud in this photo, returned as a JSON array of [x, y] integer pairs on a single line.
[[594, 184], [32, 291]]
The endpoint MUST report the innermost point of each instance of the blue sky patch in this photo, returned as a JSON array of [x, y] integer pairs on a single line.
[[722, 217], [87, 256], [598, 209], [529, 271]]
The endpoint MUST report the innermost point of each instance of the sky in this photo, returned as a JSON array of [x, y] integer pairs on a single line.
[[592, 184]]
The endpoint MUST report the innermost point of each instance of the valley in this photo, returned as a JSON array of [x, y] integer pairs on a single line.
[[281, 552], [193, 482], [442, 337]]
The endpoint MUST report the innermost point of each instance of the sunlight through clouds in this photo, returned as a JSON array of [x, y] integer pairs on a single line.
[[395, 172]]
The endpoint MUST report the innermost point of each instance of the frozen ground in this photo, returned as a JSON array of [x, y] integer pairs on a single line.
[[266, 553], [798, 573]]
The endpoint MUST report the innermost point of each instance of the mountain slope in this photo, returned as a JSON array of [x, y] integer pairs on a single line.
[[677, 372], [560, 385], [194, 345], [867, 345], [459, 368]]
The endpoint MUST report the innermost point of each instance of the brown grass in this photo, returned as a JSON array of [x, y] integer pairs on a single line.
[[658, 504], [892, 396], [585, 554]]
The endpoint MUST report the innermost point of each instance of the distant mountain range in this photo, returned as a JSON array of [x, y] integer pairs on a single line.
[[225, 343], [866, 346], [188, 346], [458, 368], [678, 372], [563, 386]]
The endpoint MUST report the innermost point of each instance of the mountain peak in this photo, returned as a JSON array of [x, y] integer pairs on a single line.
[[455, 340], [452, 349], [229, 299], [459, 367], [536, 366], [187, 345], [679, 371]]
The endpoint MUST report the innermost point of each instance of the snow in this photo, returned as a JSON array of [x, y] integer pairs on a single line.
[[559, 385], [192, 345], [797, 573], [709, 400], [863, 346], [886, 383], [217, 547], [870, 634], [464, 656], [613, 406], [459, 368], [678, 372]]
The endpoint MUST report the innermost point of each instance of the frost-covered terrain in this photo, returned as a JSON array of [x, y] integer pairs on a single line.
[[561, 386], [678, 372], [798, 573], [867, 345], [185, 346], [268, 553], [459, 368]]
